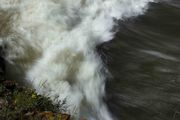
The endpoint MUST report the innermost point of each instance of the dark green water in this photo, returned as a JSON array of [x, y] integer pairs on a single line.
[[144, 60]]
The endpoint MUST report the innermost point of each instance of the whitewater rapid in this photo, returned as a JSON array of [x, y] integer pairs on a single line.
[[54, 41]]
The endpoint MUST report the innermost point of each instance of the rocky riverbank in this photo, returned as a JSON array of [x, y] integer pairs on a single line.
[[20, 103]]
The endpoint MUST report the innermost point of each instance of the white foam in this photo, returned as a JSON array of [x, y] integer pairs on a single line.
[[54, 42]]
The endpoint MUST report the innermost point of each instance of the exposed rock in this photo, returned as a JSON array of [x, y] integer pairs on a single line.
[[10, 84], [2, 65]]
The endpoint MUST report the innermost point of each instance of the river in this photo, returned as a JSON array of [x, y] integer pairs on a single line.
[[143, 60]]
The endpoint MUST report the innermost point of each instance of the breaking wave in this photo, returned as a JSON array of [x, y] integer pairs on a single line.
[[54, 42]]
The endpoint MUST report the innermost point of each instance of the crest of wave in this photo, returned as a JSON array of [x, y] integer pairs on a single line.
[[54, 42]]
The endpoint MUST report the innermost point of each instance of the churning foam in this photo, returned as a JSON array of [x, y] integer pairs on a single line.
[[54, 42]]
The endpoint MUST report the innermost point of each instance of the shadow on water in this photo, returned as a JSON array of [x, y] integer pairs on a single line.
[[144, 60]]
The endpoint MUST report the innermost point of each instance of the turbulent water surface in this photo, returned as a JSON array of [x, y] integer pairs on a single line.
[[144, 62], [63, 48]]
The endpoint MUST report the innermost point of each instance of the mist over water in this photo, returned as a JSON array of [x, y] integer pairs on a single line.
[[54, 43]]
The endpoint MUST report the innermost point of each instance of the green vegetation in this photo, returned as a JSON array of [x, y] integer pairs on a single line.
[[19, 103]]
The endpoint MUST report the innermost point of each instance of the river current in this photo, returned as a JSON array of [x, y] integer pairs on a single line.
[[108, 59], [143, 59]]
